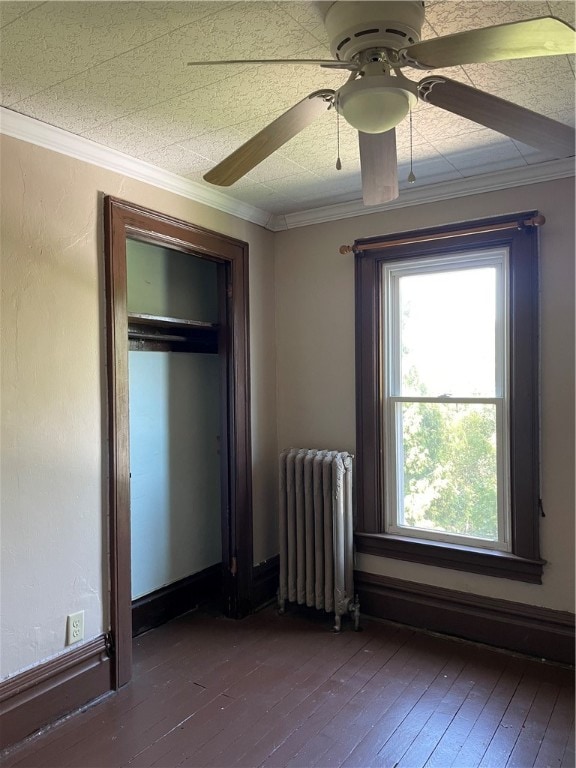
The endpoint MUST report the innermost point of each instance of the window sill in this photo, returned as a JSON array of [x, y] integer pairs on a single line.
[[486, 562]]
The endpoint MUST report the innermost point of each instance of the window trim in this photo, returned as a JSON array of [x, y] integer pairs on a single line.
[[518, 233]]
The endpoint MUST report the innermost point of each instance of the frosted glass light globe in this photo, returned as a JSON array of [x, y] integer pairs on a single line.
[[374, 104]]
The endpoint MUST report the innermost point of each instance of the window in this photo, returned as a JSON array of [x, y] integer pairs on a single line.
[[447, 395], [445, 399]]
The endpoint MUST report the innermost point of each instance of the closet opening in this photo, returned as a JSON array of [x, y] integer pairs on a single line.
[[175, 377], [178, 384]]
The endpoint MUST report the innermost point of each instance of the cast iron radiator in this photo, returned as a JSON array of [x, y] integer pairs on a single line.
[[316, 532]]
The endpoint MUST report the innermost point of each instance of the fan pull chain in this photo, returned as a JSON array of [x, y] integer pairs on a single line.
[[411, 176], [338, 161]]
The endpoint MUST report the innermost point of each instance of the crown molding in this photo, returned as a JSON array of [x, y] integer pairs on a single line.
[[471, 185], [36, 132], [48, 136]]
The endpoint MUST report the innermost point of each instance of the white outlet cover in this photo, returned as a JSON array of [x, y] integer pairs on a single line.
[[75, 628]]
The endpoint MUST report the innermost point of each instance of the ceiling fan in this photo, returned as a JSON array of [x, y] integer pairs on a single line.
[[374, 41]]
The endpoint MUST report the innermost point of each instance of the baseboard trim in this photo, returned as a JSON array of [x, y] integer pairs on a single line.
[[528, 629], [39, 696], [265, 581], [175, 599]]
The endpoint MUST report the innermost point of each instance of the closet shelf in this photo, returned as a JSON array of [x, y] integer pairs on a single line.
[[168, 322], [151, 336], [157, 333]]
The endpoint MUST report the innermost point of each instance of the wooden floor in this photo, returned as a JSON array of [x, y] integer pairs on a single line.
[[284, 691]]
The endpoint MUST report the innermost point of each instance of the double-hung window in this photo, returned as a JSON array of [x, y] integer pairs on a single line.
[[447, 389], [445, 399]]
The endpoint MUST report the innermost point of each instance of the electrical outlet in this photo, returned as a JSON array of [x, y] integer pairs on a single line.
[[75, 628]]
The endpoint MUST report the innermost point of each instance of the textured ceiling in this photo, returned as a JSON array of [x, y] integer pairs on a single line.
[[116, 73]]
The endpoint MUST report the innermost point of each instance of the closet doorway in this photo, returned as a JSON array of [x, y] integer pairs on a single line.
[[178, 385]]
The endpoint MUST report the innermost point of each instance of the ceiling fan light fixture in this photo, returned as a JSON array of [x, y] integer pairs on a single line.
[[374, 104]]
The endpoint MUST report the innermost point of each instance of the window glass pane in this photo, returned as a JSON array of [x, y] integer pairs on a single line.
[[447, 333], [448, 468]]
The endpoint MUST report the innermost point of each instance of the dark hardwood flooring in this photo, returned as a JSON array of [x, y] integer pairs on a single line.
[[285, 691]]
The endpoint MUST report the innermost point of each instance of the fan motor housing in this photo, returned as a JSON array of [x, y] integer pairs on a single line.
[[353, 27]]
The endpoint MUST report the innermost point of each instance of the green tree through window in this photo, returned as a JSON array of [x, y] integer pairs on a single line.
[[450, 469]]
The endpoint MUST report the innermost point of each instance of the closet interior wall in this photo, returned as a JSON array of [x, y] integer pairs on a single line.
[[175, 420]]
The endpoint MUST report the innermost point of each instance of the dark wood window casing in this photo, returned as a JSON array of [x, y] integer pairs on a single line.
[[519, 234]]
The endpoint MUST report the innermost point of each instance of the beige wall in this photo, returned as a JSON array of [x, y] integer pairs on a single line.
[[315, 333], [53, 391]]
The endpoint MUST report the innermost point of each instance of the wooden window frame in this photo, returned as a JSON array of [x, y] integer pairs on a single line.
[[518, 233]]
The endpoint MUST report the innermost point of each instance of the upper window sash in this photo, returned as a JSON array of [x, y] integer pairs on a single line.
[[390, 281]]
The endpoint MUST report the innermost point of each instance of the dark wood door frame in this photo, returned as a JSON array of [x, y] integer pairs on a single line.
[[124, 220]]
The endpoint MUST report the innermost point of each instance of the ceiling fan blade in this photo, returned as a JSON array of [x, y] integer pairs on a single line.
[[269, 139], [379, 166], [500, 115], [547, 36], [351, 66]]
